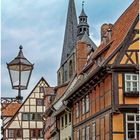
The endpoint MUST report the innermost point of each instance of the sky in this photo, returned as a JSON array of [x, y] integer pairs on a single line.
[[39, 25]]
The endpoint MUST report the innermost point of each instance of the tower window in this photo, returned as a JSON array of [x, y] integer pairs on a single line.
[[80, 30], [65, 76], [70, 69], [84, 20], [84, 29], [59, 78]]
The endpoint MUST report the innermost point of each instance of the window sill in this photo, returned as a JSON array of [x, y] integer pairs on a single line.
[[132, 94]]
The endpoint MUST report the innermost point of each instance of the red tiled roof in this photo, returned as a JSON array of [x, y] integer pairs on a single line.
[[119, 32], [120, 29], [10, 109]]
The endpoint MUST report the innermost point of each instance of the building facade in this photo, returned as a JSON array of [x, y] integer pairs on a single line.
[[101, 100], [27, 121], [105, 103]]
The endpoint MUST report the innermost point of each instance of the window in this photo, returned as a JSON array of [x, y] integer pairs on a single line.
[[11, 133], [87, 103], [131, 82], [38, 116], [70, 69], [25, 116], [33, 133], [65, 76], [132, 126], [15, 133], [84, 29], [39, 102], [93, 131], [66, 120], [18, 133], [41, 89], [36, 133], [80, 30], [69, 117], [83, 134], [59, 78], [77, 110], [32, 116], [83, 105], [84, 20], [78, 134], [62, 122], [87, 132]]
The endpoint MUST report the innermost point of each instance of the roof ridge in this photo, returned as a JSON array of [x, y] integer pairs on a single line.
[[126, 10]]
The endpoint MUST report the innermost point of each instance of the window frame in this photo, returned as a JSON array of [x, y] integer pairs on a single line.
[[84, 133], [87, 133], [131, 92], [83, 106], [15, 132], [135, 122], [94, 131], [9, 133], [77, 110], [66, 119], [41, 89], [37, 133], [28, 116], [87, 104], [70, 117], [38, 101], [62, 122], [78, 134]]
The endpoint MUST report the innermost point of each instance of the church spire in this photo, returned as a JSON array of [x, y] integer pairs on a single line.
[[70, 36], [83, 25]]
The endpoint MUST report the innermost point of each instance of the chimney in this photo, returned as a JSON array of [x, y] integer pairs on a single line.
[[104, 39], [104, 29], [81, 56], [109, 34]]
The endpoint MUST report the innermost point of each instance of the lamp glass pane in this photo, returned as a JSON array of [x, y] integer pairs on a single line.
[[24, 78], [14, 77]]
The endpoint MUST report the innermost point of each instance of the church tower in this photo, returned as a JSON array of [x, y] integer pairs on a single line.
[[73, 32], [83, 26], [67, 66]]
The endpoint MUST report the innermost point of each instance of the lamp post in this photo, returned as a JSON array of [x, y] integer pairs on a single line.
[[20, 70]]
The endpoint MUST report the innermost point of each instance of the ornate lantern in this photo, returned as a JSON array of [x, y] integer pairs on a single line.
[[20, 70]]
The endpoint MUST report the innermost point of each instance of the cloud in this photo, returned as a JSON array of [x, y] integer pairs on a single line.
[[39, 26]]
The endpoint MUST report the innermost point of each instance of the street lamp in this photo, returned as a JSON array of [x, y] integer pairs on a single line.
[[20, 70]]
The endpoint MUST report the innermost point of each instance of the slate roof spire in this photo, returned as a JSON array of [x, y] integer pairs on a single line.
[[83, 11], [70, 36]]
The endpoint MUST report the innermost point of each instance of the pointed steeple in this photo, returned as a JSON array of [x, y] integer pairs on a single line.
[[70, 36], [83, 11], [83, 25]]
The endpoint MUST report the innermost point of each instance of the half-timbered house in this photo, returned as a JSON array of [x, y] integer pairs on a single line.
[[27, 124], [105, 102]]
